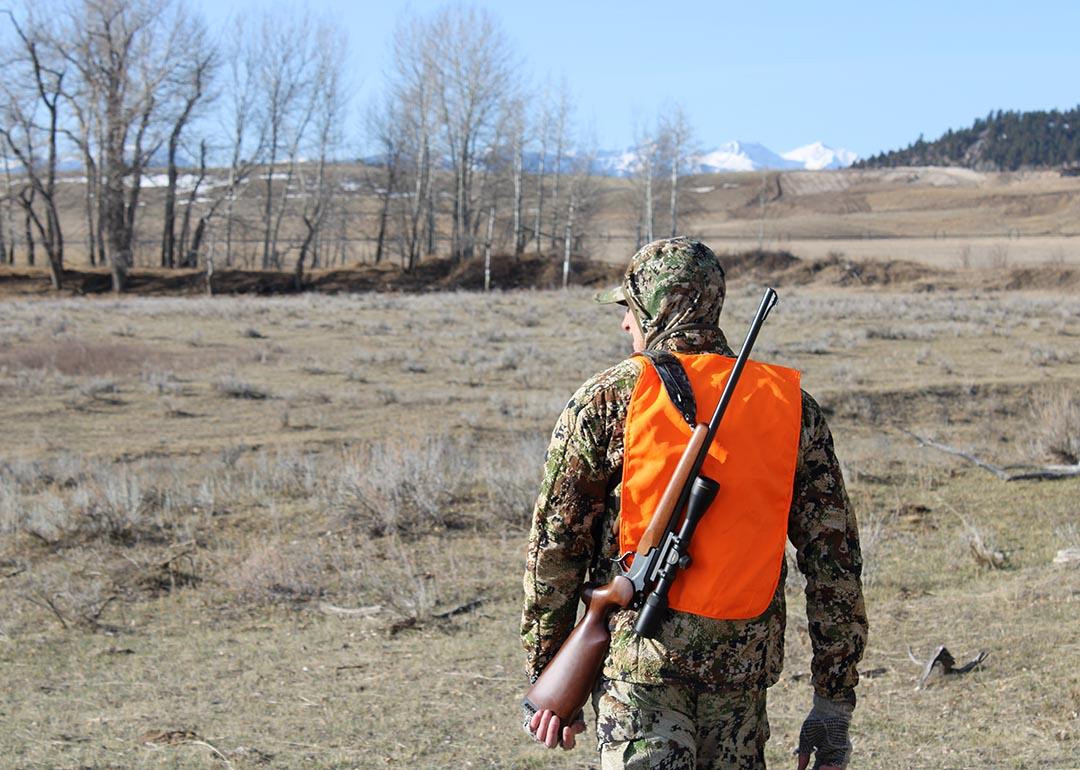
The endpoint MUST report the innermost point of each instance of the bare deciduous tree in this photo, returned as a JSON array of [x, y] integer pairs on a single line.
[[285, 58], [517, 131], [474, 74], [187, 88], [561, 113], [384, 130], [675, 137], [32, 90], [406, 137], [582, 195], [645, 163], [543, 132], [245, 126], [188, 245], [327, 112]]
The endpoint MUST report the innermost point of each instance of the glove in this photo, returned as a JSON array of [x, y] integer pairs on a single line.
[[825, 734]]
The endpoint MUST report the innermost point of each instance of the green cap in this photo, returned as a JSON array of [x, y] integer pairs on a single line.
[[613, 296]]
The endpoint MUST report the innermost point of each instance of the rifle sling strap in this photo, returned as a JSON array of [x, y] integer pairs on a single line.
[[676, 383]]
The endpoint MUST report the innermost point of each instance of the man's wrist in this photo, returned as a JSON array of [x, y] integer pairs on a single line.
[[845, 695], [829, 707]]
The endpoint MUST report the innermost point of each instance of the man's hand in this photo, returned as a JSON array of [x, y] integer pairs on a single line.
[[544, 727], [825, 734]]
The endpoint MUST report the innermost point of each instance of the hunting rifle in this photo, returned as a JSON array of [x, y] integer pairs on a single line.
[[566, 682]]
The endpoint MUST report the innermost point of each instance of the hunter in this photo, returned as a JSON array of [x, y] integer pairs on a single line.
[[694, 697]]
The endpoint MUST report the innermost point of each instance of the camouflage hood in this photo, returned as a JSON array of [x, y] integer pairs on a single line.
[[672, 286]]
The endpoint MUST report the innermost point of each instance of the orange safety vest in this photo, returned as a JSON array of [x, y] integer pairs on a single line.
[[738, 547]]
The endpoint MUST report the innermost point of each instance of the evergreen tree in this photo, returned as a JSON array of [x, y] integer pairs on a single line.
[[1003, 140]]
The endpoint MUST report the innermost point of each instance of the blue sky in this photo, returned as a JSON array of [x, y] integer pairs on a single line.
[[862, 75]]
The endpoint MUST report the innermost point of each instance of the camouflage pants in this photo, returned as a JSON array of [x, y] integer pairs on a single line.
[[669, 727]]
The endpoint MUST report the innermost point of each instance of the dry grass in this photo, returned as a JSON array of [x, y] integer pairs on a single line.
[[232, 387], [331, 577], [1057, 422]]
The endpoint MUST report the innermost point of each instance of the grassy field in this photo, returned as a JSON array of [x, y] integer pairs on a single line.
[[289, 532]]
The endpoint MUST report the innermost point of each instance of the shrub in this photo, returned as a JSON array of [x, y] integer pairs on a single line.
[[406, 486], [1057, 421], [232, 387], [272, 573], [512, 480], [10, 509]]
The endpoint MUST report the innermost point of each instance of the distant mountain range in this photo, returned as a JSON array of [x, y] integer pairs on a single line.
[[730, 156], [736, 156]]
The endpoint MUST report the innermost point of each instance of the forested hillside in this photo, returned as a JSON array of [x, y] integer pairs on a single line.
[[1002, 141]]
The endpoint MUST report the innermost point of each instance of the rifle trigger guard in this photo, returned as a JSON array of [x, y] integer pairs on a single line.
[[621, 559]]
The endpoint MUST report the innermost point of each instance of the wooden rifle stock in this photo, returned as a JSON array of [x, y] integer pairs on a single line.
[[567, 681]]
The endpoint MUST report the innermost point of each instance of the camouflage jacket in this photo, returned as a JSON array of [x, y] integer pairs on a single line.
[[572, 539]]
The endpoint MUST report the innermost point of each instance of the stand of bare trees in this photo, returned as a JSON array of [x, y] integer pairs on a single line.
[[199, 148]]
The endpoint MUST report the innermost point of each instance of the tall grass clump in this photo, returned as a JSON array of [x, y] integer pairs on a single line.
[[407, 486], [1057, 421], [9, 505], [233, 387], [512, 479]]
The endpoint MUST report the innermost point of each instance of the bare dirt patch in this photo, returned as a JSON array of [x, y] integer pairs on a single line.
[[89, 358]]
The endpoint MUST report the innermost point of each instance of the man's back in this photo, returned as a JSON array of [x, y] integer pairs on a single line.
[[674, 290]]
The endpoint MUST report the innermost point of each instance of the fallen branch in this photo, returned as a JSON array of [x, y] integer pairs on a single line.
[[46, 603], [943, 663], [415, 621], [1024, 472], [350, 667], [1067, 556], [212, 748], [472, 675], [351, 612], [468, 606]]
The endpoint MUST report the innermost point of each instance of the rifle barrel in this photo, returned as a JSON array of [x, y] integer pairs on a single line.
[[768, 302]]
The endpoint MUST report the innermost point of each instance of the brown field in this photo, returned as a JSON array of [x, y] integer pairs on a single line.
[[279, 532], [943, 217]]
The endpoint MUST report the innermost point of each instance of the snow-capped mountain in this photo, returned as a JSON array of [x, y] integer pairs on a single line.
[[738, 156], [614, 163], [818, 156], [734, 156]]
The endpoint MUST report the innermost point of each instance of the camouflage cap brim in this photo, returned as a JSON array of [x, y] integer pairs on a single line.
[[615, 296]]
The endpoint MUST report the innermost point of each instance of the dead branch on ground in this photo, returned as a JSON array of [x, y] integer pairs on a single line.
[[1007, 472], [942, 663]]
